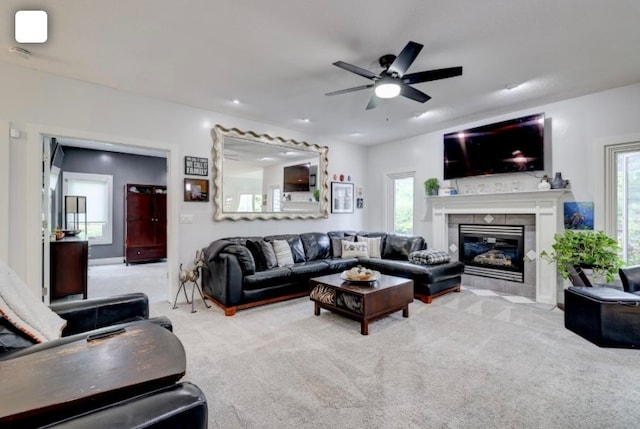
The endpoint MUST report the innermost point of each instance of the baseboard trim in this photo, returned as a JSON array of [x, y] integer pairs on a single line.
[[107, 261]]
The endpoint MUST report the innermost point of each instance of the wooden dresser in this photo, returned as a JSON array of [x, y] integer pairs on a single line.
[[68, 267]]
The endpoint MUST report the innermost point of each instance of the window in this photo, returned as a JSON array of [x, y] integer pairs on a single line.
[[250, 203], [98, 188], [623, 198], [275, 198], [400, 202]]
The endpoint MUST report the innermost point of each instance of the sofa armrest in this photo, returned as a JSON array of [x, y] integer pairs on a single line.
[[223, 279], [86, 315]]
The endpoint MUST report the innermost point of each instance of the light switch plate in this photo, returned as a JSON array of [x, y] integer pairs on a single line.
[[186, 218]]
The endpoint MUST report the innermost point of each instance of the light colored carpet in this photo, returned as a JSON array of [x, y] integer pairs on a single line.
[[465, 361]]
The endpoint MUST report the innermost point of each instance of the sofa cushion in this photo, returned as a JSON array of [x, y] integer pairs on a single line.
[[309, 269], [354, 249], [316, 245], [398, 246], [336, 244], [273, 277], [295, 243], [373, 245], [421, 274], [283, 252], [263, 254], [341, 264]]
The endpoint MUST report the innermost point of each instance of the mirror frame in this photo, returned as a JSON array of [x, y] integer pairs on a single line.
[[218, 133]]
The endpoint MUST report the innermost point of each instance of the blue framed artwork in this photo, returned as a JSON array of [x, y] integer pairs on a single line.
[[578, 215]]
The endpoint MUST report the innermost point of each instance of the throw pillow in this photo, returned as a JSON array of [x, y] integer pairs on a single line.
[[429, 257], [352, 249], [373, 244], [24, 310], [258, 256], [336, 244], [283, 252], [269, 254]]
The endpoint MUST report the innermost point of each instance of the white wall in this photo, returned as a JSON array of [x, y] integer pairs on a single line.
[[580, 128], [37, 102]]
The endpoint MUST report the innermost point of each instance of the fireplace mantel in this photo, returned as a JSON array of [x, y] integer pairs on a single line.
[[545, 205]]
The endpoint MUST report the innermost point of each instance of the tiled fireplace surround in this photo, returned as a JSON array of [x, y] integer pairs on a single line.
[[540, 212]]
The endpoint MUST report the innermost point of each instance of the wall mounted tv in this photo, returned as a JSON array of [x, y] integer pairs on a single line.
[[509, 146], [296, 178]]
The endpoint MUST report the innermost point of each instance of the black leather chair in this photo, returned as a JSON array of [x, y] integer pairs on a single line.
[[174, 406], [82, 316], [630, 277], [605, 316]]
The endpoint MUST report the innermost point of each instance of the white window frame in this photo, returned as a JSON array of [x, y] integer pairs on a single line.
[[611, 184], [107, 237], [389, 197]]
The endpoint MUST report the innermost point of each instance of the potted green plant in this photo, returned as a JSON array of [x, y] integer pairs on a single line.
[[587, 249], [431, 186]]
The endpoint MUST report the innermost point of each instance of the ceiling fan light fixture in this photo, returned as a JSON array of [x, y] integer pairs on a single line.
[[387, 88]]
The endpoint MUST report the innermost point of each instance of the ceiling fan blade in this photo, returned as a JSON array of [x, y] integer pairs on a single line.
[[373, 103], [403, 61], [355, 69], [345, 91], [427, 76], [414, 94]]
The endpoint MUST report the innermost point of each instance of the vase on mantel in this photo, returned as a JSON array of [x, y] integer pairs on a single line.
[[544, 183], [558, 182]]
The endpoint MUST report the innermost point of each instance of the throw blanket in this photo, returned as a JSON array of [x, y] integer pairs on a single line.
[[215, 248], [429, 257], [24, 310]]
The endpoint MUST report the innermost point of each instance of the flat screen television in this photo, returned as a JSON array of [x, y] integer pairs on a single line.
[[296, 178], [511, 146]]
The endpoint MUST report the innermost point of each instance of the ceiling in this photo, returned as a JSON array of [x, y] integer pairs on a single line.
[[276, 57]]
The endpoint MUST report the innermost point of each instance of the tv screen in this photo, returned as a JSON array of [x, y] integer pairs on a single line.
[[511, 146], [296, 178]]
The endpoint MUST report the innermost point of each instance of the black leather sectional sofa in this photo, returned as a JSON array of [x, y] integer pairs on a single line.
[[234, 281]]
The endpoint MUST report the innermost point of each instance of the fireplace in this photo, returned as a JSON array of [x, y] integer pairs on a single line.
[[495, 251]]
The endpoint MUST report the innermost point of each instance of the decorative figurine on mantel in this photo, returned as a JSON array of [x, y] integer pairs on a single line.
[[558, 182], [544, 183]]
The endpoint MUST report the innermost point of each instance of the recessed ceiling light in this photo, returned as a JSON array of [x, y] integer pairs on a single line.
[[512, 86], [306, 120], [206, 124], [422, 115], [356, 134], [235, 101]]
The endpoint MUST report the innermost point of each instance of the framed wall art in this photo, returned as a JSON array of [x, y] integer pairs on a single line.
[[196, 189], [341, 197], [578, 215], [195, 166]]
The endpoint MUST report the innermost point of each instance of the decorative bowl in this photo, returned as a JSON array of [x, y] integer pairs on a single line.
[[347, 275]]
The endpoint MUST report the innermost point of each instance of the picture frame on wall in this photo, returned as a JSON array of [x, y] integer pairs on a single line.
[[195, 166], [196, 190], [341, 197]]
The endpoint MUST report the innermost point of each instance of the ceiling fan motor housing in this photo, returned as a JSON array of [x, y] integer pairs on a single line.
[[387, 60]]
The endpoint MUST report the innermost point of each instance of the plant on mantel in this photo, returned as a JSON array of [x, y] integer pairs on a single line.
[[594, 250], [431, 186]]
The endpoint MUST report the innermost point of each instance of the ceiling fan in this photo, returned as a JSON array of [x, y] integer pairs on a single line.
[[393, 81]]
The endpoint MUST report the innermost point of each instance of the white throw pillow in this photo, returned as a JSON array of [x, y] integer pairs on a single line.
[[352, 249], [283, 252], [24, 310], [373, 244]]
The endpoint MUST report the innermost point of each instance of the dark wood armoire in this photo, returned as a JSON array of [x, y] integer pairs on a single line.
[[145, 218]]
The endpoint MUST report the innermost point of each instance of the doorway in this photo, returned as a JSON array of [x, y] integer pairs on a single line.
[[86, 141]]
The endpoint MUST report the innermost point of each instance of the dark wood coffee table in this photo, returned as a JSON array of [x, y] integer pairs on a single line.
[[362, 301], [83, 374]]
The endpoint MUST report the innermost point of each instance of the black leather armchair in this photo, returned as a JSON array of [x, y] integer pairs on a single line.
[[177, 405], [630, 277], [82, 316]]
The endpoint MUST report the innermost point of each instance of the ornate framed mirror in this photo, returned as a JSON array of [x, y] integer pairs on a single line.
[[257, 176]]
